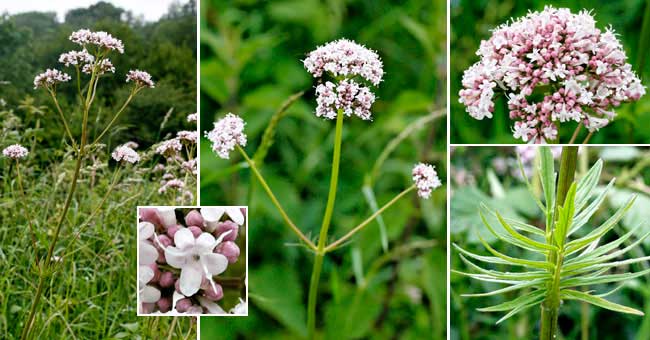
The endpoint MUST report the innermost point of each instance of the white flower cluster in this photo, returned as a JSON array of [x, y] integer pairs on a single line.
[[192, 117], [15, 151], [76, 58], [103, 66], [226, 134], [191, 137], [140, 78], [426, 179], [101, 39], [50, 78], [169, 147], [124, 153], [344, 60]]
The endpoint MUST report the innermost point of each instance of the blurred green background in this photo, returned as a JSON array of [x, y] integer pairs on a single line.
[[490, 175], [251, 61], [472, 21]]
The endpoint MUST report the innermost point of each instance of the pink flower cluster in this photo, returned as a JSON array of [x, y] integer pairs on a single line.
[[192, 250], [425, 179], [578, 71], [140, 78], [126, 154], [15, 151], [100, 39], [49, 78], [190, 137], [103, 66], [76, 58], [344, 60], [227, 133], [169, 147], [192, 117]]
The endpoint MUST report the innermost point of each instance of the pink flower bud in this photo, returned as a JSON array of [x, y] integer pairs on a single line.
[[161, 257], [196, 231], [148, 308], [164, 304], [225, 226], [228, 249], [195, 310], [183, 304], [171, 231], [165, 240], [214, 295], [150, 215], [194, 218], [156, 273], [166, 280]]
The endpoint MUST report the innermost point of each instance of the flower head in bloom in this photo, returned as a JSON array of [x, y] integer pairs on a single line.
[[175, 184], [426, 179], [50, 78], [227, 133], [576, 71], [169, 147], [101, 39], [345, 58], [76, 58], [195, 258], [15, 151], [347, 96], [188, 136], [103, 66], [192, 117], [124, 153], [140, 78]]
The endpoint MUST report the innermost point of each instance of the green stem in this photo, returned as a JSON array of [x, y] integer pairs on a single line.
[[128, 100], [29, 220], [322, 239], [65, 123], [275, 201], [575, 133], [551, 305]]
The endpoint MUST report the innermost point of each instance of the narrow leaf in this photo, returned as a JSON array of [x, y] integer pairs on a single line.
[[598, 301]]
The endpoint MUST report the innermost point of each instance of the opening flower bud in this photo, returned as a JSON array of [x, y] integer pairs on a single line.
[[228, 249]]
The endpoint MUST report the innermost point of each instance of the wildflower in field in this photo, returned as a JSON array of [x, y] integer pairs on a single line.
[[140, 78], [212, 216], [124, 153], [169, 147], [189, 166], [76, 58], [191, 137], [227, 133], [195, 258], [192, 117], [344, 60], [50, 78], [101, 40], [15, 151], [426, 179], [553, 67], [102, 66], [175, 184]]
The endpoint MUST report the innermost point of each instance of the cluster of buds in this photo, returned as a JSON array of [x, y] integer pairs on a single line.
[[192, 251], [15, 151], [553, 67]]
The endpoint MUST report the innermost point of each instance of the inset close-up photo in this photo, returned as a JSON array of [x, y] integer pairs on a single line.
[[192, 260], [550, 242], [564, 72]]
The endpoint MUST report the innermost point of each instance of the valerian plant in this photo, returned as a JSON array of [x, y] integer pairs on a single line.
[[90, 65], [559, 265], [349, 71]]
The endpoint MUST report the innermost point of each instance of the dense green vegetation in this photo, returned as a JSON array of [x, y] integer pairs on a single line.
[[251, 62], [472, 21]]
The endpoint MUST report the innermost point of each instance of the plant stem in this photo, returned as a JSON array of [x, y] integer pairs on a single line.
[[356, 229], [586, 141], [29, 221], [65, 123], [575, 133], [322, 239], [128, 100], [171, 328], [551, 305], [275, 201]]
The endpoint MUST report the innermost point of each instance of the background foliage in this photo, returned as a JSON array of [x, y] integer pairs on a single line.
[[93, 293], [490, 175], [472, 21], [251, 56]]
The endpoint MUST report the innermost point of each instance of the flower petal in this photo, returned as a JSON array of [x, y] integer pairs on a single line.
[[191, 278], [211, 216], [148, 253], [206, 243], [214, 264], [184, 239], [167, 216], [236, 215], [149, 294], [145, 230], [212, 307], [146, 275], [175, 257]]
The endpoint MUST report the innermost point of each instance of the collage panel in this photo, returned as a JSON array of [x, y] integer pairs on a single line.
[[94, 105], [565, 72], [575, 267], [319, 117]]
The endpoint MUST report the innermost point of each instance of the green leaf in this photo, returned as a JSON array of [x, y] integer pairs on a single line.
[[537, 245], [585, 281], [517, 261], [516, 276], [565, 217], [528, 185], [548, 176], [518, 302], [587, 184], [369, 194], [583, 216], [598, 301]]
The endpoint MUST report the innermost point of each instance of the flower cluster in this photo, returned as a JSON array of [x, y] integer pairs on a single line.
[[76, 58], [15, 151], [192, 252], [192, 117], [227, 133], [191, 137], [140, 78], [554, 67], [49, 78], [126, 154], [100, 39], [344, 60], [169, 147], [426, 179], [103, 66]]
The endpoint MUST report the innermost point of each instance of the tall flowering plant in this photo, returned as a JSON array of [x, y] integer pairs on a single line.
[[553, 67], [348, 72], [90, 64]]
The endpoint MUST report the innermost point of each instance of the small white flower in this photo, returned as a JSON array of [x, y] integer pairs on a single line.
[[227, 133], [212, 216], [426, 179]]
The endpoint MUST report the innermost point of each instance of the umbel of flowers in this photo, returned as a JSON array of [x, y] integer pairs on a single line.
[[179, 260], [349, 71], [553, 67]]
